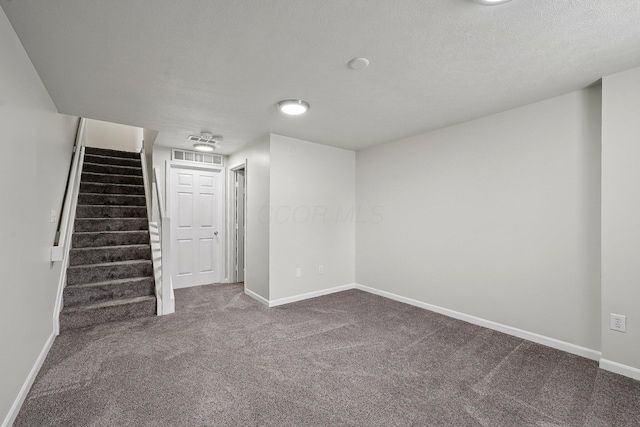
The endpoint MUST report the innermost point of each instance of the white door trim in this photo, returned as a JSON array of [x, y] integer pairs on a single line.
[[231, 214], [221, 208]]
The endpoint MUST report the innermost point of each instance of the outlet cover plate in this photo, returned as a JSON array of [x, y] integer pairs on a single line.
[[618, 322]]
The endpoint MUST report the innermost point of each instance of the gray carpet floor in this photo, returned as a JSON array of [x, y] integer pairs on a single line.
[[347, 359]]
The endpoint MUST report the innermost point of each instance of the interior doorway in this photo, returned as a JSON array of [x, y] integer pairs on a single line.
[[239, 204], [195, 212]]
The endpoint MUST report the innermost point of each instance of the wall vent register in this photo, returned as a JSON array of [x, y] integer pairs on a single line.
[[192, 156]]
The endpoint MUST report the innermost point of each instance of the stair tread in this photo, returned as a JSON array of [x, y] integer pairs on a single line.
[[113, 183], [110, 218], [115, 166], [110, 194], [134, 245], [110, 303], [111, 282], [112, 153], [118, 206], [110, 157], [113, 264], [109, 232], [111, 174]]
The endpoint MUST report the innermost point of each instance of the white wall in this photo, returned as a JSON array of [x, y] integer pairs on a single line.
[[621, 215], [112, 136], [496, 218], [312, 217], [37, 145], [258, 161]]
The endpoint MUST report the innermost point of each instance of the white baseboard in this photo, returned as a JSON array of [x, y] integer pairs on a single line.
[[619, 368], [17, 403], [540, 339], [300, 297], [256, 297]]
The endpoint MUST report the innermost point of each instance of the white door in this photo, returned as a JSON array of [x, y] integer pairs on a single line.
[[194, 215]]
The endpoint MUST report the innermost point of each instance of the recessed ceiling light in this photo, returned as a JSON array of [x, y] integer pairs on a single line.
[[358, 63], [293, 107], [204, 147], [491, 2]]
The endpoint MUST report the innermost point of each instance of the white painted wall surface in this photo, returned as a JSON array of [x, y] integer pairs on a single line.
[[621, 215], [258, 161], [112, 136], [498, 218], [312, 217], [37, 145]]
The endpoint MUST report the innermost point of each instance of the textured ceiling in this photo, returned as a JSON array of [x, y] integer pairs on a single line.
[[185, 66]]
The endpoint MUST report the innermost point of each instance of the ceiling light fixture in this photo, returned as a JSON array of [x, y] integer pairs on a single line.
[[491, 2], [205, 141], [293, 107], [358, 63], [204, 147]]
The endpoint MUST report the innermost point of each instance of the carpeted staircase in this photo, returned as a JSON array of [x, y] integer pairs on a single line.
[[110, 273]]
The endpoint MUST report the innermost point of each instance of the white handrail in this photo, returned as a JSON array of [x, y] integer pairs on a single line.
[[147, 184], [164, 285], [68, 212], [60, 251]]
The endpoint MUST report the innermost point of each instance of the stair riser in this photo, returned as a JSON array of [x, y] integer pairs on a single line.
[[111, 199], [94, 187], [116, 161], [111, 153], [110, 169], [111, 179], [109, 239], [74, 295], [92, 211], [110, 224], [106, 314], [83, 275], [113, 254]]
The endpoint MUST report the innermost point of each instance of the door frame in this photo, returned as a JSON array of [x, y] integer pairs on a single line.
[[221, 208], [231, 214]]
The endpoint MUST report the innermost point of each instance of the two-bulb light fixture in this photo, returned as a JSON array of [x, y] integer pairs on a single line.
[[205, 141]]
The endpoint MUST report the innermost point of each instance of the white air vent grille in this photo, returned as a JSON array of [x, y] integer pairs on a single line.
[[192, 156]]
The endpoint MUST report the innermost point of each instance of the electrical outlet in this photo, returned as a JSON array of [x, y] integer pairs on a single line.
[[618, 322], [321, 269], [298, 272]]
